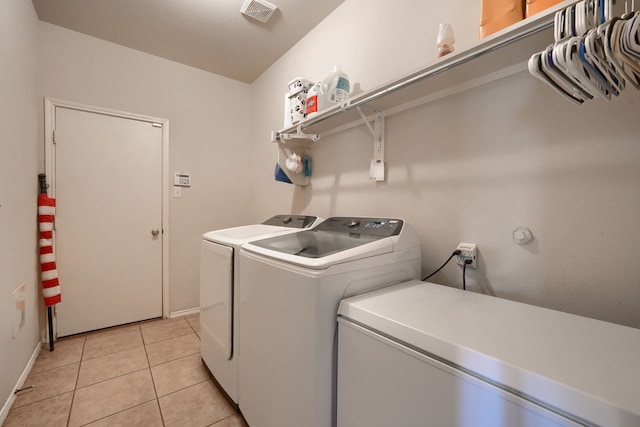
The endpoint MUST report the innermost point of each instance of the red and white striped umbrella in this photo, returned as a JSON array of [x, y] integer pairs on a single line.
[[50, 283]]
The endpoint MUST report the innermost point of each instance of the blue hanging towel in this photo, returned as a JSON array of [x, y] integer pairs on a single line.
[[281, 176]]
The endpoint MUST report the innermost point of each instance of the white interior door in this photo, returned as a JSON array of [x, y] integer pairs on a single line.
[[108, 238]]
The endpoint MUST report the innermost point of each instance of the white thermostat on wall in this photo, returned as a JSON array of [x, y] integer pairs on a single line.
[[182, 180]]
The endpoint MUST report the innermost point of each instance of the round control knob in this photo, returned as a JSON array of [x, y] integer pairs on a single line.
[[522, 235], [353, 223], [287, 219]]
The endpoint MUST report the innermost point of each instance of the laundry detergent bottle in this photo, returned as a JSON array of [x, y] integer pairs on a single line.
[[315, 100], [335, 87]]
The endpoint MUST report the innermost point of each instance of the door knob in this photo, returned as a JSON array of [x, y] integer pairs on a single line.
[[155, 232]]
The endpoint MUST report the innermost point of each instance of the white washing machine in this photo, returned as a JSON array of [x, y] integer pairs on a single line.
[[432, 355], [218, 291], [290, 288]]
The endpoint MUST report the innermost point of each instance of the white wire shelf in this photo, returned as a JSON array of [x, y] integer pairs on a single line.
[[506, 48]]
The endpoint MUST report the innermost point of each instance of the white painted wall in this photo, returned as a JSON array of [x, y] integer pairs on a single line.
[[208, 133], [18, 187], [471, 167]]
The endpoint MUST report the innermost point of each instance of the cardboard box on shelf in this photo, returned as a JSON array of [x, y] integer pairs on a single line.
[[535, 6], [498, 14]]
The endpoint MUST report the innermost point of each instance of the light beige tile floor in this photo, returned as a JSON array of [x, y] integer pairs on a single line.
[[145, 374]]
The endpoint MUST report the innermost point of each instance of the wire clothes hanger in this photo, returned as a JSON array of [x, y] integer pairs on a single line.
[[595, 55]]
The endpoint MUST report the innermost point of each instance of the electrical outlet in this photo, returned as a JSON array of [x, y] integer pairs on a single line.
[[468, 251]]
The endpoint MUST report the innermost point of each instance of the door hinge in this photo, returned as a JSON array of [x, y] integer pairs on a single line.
[[53, 136], [156, 125]]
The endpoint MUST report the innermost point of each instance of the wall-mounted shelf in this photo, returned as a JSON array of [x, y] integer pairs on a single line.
[[509, 47]]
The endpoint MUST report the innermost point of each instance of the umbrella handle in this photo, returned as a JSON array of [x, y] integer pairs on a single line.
[[42, 179]]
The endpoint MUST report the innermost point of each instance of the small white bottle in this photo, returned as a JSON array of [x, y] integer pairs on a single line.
[[445, 40]]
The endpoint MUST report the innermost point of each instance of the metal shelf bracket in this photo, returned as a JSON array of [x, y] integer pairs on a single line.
[[377, 171], [277, 136]]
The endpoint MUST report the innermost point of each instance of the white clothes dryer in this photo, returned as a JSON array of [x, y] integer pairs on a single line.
[[218, 291], [290, 288]]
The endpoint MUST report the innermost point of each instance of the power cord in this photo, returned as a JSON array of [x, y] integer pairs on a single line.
[[464, 273], [456, 252]]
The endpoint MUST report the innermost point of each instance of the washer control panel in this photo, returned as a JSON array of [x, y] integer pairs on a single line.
[[380, 227], [293, 221]]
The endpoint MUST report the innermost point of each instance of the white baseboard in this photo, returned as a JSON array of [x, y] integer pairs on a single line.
[[182, 313], [7, 406]]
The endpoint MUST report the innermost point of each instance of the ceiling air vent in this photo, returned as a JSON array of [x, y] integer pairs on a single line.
[[258, 9]]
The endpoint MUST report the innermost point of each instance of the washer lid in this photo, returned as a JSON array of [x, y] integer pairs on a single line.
[[276, 225], [315, 243], [585, 367], [334, 241]]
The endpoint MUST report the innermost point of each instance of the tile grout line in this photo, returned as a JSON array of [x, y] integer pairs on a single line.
[[168, 361], [115, 352], [155, 390], [194, 329], [73, 395], [120, 376], [221, 420], [110, 354], [170, 338], [53, 367], [81, 363], [108, 379], [13, 406], [186, 387], [173, 360], [118, 412], [175, 338], [38, 373], [171, 322], [112, 378], [159, 409]]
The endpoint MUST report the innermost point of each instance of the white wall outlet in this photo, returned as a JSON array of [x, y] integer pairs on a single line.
[[468, 251], [376, 172]]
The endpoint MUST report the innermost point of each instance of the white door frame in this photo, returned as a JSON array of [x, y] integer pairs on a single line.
[[49, 162]]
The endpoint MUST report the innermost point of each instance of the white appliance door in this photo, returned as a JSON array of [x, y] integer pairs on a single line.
[[420, 391], [216, 295]]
